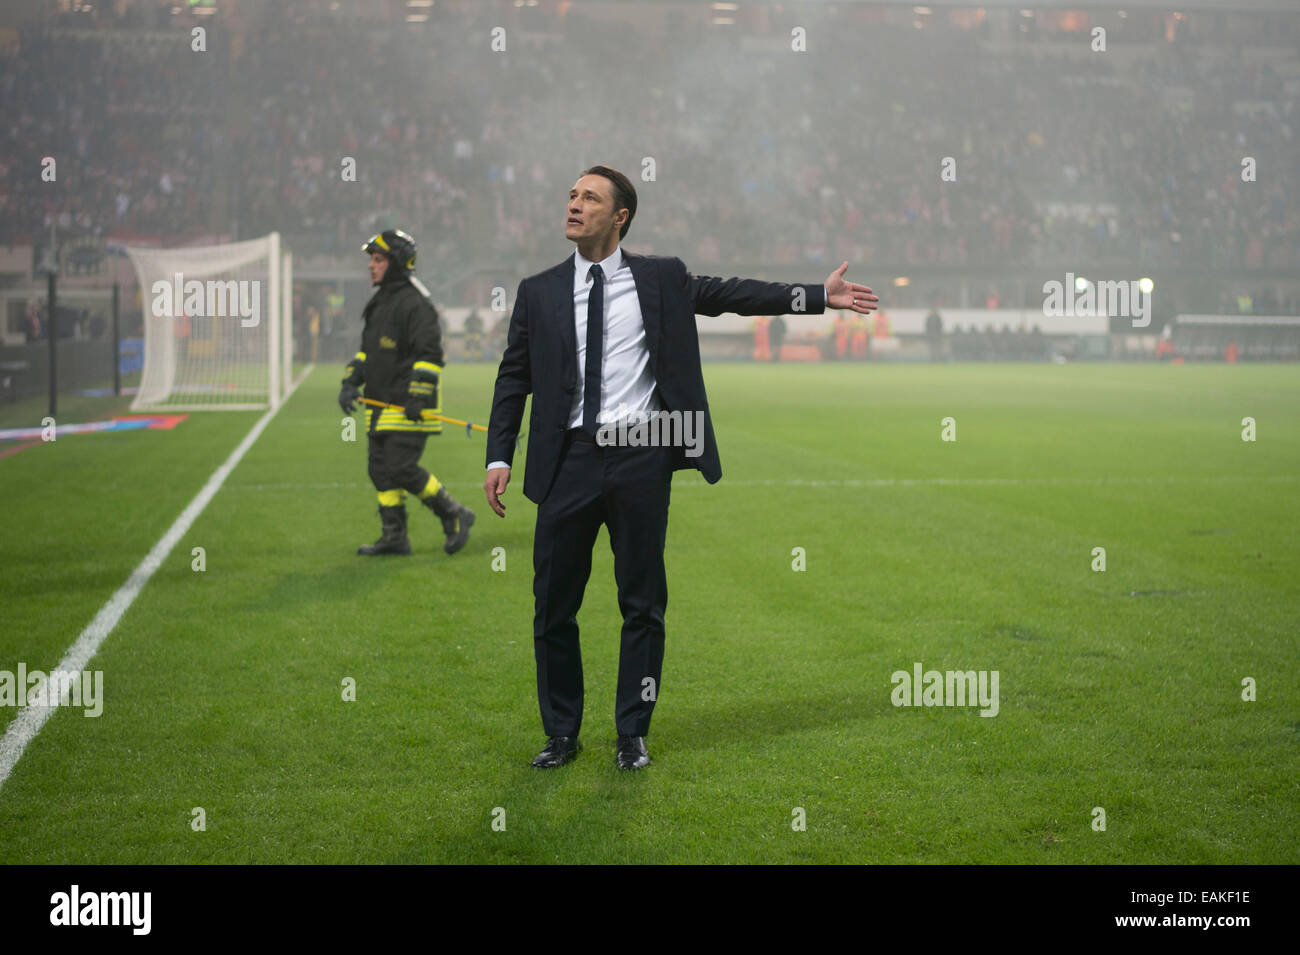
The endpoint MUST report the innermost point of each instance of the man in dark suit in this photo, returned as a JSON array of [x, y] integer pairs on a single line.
[[601, 336]]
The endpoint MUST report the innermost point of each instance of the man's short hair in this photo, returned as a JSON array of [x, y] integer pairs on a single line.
[[624, 193]]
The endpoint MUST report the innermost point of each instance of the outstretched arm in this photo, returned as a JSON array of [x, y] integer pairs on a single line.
[[713, 296]]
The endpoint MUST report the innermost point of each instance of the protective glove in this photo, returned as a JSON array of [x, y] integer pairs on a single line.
[[422, 393], [348, 396]]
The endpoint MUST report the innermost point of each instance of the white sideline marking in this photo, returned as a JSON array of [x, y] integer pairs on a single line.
[[24, 727]]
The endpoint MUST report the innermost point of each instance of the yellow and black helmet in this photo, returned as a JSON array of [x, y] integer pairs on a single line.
[[396, 244]]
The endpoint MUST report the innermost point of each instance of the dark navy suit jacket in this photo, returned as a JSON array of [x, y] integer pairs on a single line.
[[541, 355]]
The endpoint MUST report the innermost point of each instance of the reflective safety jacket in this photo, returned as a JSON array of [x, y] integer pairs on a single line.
[[401, 357]]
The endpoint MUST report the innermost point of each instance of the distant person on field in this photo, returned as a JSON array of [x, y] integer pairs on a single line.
[[473, 336], [762, 346], [314, 329], [776, 334], [861, 341], [934, 333], [841, 337]]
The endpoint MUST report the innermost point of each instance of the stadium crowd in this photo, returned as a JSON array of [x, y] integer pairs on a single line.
[[1055, 159]]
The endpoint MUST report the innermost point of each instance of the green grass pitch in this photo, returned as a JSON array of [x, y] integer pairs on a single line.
[[1119, 689]]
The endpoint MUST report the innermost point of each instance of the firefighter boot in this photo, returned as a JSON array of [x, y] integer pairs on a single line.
[[393, 540], [456, 519]]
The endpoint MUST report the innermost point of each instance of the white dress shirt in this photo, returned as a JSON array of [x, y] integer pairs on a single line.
[[627, 383]]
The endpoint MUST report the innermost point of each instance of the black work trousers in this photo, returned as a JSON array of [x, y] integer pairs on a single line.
[[394, 460]]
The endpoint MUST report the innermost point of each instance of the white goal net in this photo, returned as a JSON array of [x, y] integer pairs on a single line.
[[218, 325]]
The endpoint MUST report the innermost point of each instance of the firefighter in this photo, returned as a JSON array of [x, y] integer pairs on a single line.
[[399, 364]]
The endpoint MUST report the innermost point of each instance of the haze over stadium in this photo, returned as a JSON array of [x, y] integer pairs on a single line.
[[1003, 571]]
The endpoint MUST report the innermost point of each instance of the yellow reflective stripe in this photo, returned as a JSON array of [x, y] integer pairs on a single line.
[[428, 427], [379, 241], [399, 417], [390, 498], [427, 366], [410, 427], [360, 356]]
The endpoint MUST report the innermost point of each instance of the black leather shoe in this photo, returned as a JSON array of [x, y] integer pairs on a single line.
[[631, 753], [558, 751]]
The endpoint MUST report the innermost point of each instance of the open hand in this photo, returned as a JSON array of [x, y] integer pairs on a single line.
[[842, 294]]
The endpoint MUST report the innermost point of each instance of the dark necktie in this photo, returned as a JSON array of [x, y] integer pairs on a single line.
[[595, 326]]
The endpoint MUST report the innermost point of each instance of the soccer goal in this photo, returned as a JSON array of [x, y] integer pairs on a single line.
[[218, 326]]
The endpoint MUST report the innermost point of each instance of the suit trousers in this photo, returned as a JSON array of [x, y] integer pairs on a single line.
[[627, 489]]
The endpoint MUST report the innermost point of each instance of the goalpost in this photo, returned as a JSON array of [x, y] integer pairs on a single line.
[[218, 326]]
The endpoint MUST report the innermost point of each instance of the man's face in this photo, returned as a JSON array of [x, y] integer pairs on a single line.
[[590, 212], [378, 266]]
